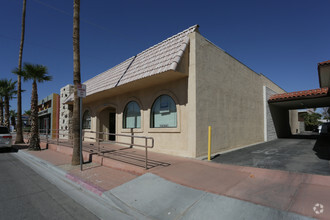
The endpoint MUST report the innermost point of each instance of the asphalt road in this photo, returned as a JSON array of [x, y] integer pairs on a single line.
[[26, 195], [299, 154]]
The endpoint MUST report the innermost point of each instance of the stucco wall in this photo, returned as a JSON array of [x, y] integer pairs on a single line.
[[294, 123], [229, 97], [167, 140]]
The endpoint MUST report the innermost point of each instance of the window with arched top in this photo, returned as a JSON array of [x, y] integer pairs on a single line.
[[132, 116], [86, 120], [163, 113]]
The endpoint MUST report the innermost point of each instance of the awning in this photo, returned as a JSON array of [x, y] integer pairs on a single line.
[[314, 98]]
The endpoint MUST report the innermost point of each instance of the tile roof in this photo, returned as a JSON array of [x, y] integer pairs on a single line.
[[159, 58], [324, 63], [313, 93]]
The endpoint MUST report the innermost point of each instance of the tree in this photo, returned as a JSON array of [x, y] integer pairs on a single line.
[[27, 127], [7, 90], [76, 82], [36, 73], [326, 113], [13, 116], [1, 109], [27, 112], [312, 121], [19, 132]]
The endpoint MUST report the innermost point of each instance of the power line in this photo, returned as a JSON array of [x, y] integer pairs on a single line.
[[70, 14], [26, 42]]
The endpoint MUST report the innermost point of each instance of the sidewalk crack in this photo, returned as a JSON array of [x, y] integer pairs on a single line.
[[296, 192], [187, 209]]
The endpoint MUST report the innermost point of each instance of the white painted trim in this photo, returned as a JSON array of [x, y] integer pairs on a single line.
[[265, 112]]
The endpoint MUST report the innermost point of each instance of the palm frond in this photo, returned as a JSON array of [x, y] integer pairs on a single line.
[[18, 72], [36, 72], [8, 88]]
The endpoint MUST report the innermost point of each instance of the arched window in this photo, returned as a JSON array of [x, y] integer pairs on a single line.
[[163, 113], [86, 120], [132, 116]]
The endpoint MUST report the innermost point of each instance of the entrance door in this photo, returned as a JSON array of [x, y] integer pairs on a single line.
[[112, 126]]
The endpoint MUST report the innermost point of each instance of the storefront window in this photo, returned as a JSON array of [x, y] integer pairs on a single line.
[[163, 113], [132, 116], [86, 120]]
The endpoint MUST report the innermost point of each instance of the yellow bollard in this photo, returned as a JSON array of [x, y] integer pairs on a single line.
[[209, 145]]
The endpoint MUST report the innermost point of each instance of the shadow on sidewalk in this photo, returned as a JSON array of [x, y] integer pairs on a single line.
[[126, 155]]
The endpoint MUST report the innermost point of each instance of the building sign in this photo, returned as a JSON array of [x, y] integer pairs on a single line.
[[81, 90], [44, 106]]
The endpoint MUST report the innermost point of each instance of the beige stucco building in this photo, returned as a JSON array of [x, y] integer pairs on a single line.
[[174, 90]]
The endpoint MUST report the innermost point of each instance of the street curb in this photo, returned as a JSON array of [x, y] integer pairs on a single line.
[[84, 184], [109, 202], [105, 204]]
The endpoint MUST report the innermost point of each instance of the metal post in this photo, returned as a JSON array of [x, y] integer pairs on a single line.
[[80, 140], [146, 154], [47, 139], [132, 138], [209, 144]]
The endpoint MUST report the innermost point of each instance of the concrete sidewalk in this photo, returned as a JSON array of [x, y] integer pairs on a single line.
[[181, 188]]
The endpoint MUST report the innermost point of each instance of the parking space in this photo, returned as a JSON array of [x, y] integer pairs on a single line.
[[305, 154]]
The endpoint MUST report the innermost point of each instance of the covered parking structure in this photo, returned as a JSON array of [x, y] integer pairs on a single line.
[[294, 153], [280, 104]]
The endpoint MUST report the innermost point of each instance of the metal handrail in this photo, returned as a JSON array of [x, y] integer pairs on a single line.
[[122, 135], [146, 146], [57, 133], [45, 135]]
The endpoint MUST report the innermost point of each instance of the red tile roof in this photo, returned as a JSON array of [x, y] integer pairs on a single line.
[[313, 93], [324, 63]]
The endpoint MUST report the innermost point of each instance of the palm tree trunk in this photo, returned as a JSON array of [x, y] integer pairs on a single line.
[[19, 134], [76, 81], [6, 112], [34, 139], [13, 121], [1, 111]]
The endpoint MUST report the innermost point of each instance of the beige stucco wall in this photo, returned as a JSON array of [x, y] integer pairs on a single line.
[[214, 90], [167, 140], [229, 97]]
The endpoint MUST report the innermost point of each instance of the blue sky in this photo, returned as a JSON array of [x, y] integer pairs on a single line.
[[284, 40]]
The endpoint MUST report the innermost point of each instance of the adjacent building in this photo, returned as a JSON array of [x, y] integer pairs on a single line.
[[48, 114], [65, 112], [174, 90]]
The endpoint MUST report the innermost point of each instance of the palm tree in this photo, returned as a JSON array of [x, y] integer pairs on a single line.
[[1, 106], [76, 81], [1, 110], [28, 113], [19, 132], [7, 90], [13, 116], [36, 73]]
